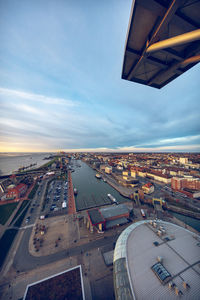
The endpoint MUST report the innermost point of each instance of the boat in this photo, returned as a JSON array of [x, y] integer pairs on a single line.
[[112, 198], [104, 180], [143, 213], [98, 176], [75, 191]]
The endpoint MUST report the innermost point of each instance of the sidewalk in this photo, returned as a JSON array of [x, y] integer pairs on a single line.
[[71, 199]]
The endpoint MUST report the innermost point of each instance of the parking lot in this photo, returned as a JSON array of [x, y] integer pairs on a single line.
[[57, 198]]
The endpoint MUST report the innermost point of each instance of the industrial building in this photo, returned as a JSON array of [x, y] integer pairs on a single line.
[[154, 259], [107, 217]]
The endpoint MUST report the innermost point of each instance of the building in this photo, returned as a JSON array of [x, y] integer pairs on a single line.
[[17, 192], [95, 220], [115, 215], [119, 167], [133, 173], [58, 286], [108, 169], [190, 182], [156, 260], [108, 217], [148, 188], [159, 177], [125, 174], [183, 160], [127, 181]]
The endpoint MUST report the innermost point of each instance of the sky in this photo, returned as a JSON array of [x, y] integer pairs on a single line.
[[61, 86]]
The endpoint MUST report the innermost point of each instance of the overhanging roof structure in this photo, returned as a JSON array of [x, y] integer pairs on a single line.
[[163, 41]]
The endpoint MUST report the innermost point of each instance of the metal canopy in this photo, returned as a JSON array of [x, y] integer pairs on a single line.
[[163, 41]]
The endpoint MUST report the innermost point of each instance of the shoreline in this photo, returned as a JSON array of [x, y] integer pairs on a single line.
[[28, 171]]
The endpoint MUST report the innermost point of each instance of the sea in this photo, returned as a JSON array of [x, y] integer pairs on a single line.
[[11, 162]]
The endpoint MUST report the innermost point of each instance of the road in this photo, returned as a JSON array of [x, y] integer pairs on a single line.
[[24, 261]]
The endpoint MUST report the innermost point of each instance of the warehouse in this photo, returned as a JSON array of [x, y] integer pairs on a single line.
[[107, 217]]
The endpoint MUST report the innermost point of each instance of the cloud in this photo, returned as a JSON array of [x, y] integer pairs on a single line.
[[36, 97], [179, 148], [60, 87]]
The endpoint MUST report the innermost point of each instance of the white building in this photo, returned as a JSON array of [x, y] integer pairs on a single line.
[[108, 169], [183, 160]]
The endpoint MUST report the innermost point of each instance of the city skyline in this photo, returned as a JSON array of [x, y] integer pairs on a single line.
[[61, 86]]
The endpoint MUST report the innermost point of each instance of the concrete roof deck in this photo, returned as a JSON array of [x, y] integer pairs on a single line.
[[178, 255]]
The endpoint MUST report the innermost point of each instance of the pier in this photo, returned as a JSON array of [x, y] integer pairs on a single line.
[[71, 198]]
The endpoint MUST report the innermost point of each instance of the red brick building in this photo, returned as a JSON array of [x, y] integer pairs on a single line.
[[189, 182], [17, 192]]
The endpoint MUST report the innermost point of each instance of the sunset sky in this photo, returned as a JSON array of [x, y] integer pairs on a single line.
[[61, 86]]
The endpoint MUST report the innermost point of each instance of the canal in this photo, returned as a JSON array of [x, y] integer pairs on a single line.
[[91, 191], [195, 223]]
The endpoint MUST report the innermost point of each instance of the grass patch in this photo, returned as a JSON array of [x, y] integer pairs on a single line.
[[5, 243], [34, 190], [24, 203], [5, 211], [21, 218]]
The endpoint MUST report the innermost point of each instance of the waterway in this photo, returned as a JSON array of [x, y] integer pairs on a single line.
[[195, 223], [91, 191], [11, 162]]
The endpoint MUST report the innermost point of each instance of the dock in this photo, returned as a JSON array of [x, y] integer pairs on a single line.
[[71, 198]]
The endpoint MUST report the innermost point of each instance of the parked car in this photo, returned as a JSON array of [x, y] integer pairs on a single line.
[[28, 219]]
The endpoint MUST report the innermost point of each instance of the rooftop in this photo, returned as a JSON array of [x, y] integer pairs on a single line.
[[153, 261], [64, 285], [112, 211], [95, 216]]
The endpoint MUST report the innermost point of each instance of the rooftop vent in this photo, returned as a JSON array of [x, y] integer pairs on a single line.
[[186, 285], [154, 224], [156, 243], [159, 232], [178, 292], [167, 239], [160, 259]]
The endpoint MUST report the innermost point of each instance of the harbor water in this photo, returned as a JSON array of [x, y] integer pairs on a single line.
[[195, 223], [89, 187]]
